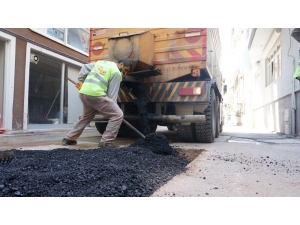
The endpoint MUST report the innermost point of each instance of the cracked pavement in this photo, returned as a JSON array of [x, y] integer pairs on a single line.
[[241, 163]]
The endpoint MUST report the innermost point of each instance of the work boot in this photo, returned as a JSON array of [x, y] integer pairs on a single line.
[[107, 145], [66, 141], [6, 156]]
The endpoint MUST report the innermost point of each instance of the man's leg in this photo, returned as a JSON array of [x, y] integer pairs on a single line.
[[109, 109], [88, 114]]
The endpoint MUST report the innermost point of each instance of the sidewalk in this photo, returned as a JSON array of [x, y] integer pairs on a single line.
[[240, 132], [90, 137], [51, 139]]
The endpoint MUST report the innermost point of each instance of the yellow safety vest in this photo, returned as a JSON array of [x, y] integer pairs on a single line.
[[297, 72], [96, 82]]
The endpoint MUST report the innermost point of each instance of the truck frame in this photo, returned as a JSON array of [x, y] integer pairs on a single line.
[[175, 80]]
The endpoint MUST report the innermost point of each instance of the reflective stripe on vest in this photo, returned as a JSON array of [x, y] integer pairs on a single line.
[[96, 82], [93, 85], [99, 77]]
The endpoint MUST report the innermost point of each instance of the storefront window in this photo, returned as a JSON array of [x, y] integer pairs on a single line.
[[79, 38], [76, 38], [52, 98], [58, 33]]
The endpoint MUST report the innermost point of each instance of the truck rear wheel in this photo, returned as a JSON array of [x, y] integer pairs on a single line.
[[153, 128], [217, 107], [124, 130], [171, 127], [205, 132], [221, 127], [186, 133], [100, 127]]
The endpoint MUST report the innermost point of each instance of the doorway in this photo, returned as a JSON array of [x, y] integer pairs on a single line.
[[7, 77], [44, 92], [52, 101]]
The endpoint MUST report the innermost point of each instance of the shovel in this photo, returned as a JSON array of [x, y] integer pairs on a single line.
[[133, 128]]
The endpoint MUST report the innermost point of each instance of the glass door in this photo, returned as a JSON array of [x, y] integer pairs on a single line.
[[53, 101], [44, 95]]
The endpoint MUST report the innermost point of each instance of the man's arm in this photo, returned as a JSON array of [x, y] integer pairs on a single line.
[[113, 87], [85, 69]]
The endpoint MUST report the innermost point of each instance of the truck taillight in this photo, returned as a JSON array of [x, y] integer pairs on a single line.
[[190, 91]]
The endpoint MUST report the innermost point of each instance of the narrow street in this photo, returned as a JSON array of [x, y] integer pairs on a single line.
[[191, 80], [240, 163]]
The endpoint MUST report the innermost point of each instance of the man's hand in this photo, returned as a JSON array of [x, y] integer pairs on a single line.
[[78, 85]]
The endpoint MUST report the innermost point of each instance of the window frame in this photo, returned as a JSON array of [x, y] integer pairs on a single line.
[[273, 58], [65, 42], [31, 47], [9, 78]]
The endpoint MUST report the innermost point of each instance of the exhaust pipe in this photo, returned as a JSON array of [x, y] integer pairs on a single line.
[[178, 118], [163, 118]]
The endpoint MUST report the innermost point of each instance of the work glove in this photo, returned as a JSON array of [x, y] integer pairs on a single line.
[[78, 85]]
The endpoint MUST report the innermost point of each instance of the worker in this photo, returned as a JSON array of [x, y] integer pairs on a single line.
[[296, 34], [297, 72], [99, 85]]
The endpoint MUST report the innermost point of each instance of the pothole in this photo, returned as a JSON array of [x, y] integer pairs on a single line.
[[243, 140]]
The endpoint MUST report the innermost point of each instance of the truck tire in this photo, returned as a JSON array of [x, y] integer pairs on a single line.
[[205, 132], [153, 128], [186, 133], [171, 127], [124, 130], [100, 127], [217, 107], [221, 127]]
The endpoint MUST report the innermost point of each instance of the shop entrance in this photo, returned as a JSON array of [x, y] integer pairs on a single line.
[[49, 98]]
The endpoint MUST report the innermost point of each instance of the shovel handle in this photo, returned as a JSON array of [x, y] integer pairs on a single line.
[[133, 128], [72, 81]]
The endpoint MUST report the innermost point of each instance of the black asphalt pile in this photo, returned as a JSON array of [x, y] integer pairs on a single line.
[[156, 143], [134, 171]]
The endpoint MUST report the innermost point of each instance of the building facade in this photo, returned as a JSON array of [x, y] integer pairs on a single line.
[[35, 65], [266, 91]]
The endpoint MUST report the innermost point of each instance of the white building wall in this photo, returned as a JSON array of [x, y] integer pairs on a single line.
[[270, 102], [290, 50]]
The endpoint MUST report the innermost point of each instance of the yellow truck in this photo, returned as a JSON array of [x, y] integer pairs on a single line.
[[175, 80]]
